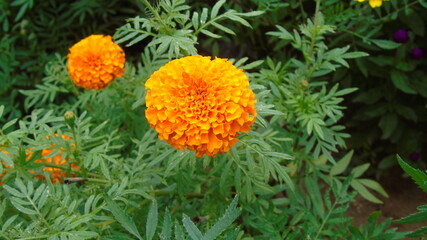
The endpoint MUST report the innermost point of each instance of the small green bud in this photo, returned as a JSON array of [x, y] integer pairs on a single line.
[[69, 118], [305, 83]]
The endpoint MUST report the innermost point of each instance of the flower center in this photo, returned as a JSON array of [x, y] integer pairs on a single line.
[[197, 100]]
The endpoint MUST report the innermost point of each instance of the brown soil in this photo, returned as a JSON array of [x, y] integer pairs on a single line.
[[404, 197]]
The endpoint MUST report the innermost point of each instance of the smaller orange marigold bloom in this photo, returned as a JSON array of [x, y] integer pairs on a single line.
[[5, 166], [94, 62], [199, 103], [56, 173]]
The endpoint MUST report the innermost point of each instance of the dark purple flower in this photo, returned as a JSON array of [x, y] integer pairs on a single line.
[[401, 36], [417, 53], [415, 156]]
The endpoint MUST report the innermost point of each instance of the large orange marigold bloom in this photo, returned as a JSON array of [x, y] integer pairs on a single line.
[[94, 62], [199, 103]]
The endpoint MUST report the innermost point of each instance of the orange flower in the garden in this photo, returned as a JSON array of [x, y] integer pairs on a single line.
[[54, 164], [374, 3], [94, 62], [4, 166], [56, 173], [199, 103]]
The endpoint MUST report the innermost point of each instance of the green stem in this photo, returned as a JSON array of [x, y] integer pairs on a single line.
[[36, 237], [97, 180], [207, 24], [325, 220], [156, 14], [400, 9], [115, 86], [308, 58]]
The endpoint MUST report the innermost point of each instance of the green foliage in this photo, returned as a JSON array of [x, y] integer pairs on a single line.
[[174, 30], [420, 179], [306, 62]]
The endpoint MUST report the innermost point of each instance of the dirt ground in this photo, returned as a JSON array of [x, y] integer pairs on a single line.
[[404, 197]]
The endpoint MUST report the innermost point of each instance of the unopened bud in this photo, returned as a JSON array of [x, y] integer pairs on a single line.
[[69, 118], [305, 83]]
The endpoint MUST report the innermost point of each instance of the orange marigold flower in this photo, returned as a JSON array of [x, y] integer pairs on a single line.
[[199, 103], [56, 173], [5, 166], [94, 62]]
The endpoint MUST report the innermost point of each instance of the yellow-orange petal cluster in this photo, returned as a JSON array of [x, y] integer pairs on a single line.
[[5, 166], [94, 62], [199, 103], [56, 173]]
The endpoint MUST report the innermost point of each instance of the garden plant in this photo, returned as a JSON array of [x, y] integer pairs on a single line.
[[202, 120]]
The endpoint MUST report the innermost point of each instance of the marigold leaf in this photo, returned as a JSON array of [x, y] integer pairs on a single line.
[[417, 175], [8, 223], [191, 228], [125, 221], [359, 170], [223, 28], [401, 81], [152, 220], [209, 33], [224, 222], [167, 226], [341, 165], [195, 20], [216, 8], [386, 44]]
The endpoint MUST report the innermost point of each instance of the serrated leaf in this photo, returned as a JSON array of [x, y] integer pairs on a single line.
[[167, 227], [125, 221], [413, 218], [418, 176], [418, 233], [152, 220], [179, 233], [191, 228], [224, 222]]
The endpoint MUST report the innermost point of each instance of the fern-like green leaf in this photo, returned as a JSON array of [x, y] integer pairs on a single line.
[[224, 222]]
